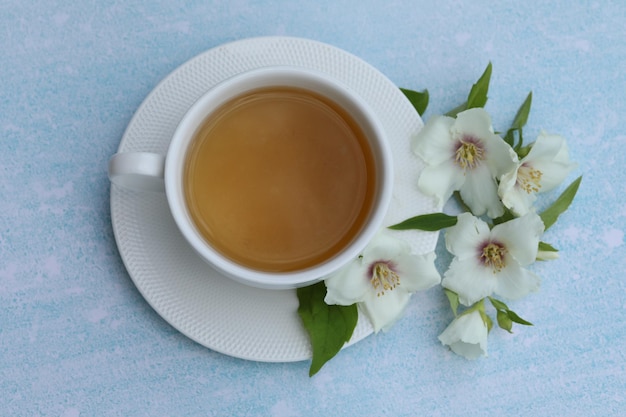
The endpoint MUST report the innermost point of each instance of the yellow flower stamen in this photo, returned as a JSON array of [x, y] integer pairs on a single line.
[[383, 278], [529, 178], [469, 153], [493, 256]]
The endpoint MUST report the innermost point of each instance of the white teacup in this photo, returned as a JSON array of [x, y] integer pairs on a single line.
[[175, 173]]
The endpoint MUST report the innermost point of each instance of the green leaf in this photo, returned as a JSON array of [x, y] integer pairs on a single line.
[[519, 122], [510, 137], [522, 114], [419, 99], [478, 94], [506, 317], [546, 247], [552, 213], [428, 222], [453, 298], [504, 321], [486, 319], [329, 326], [517, 319], [498, 305]]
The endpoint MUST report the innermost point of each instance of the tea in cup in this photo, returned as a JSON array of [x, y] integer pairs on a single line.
[[277, 177]]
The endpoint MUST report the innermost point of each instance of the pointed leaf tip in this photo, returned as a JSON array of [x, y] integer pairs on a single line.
[[478, 94], [428, 222]]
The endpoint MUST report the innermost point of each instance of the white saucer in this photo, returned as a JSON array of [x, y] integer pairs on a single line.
[[214, 311]]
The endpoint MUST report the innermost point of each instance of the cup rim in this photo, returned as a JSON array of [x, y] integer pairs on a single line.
[[237, 85]]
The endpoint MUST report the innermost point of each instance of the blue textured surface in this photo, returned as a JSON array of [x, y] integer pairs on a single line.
[[77, 339]]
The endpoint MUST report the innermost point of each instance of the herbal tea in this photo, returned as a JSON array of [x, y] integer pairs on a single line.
[[279, 179]]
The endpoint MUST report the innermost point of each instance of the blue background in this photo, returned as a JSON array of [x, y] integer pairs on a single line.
[[76, 337]]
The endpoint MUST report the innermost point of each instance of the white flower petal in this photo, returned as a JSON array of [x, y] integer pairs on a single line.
[[501, 158], [520, 237], [514, 197], [417, 272], [480, 193], [550, 155], [508, 181], [516, 282], [434, 142], [441, 180], [475, 122], [553, 174], [385, 247], [519, 201], [466, 335], [469, 350], [470, 280], [547, 147], [464, 238], [384, 310], [347, 286], [550, 147]]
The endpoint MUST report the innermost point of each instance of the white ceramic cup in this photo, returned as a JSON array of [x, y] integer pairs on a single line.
[[144, 171]]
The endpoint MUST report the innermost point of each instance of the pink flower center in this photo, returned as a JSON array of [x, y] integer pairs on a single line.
[[383, 276], [492, 254], [469, 152]]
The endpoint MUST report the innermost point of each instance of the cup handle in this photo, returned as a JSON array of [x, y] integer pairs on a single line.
[[139, 171]]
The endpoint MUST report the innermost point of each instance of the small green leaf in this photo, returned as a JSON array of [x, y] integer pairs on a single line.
[[504, 321], [510, 137], [453, 298], [546, 247], [506, 317], [428, 222], [486, 319], [329, 326], [517, 319], [552, 213], [519, 122], [478, 94], [498, 305], [522, 114], [419, 99]]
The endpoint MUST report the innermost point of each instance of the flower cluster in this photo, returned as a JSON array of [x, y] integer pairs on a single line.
[[499, 235], [493, 240]]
